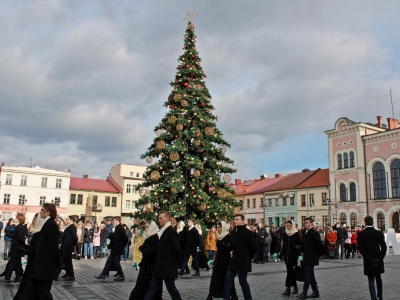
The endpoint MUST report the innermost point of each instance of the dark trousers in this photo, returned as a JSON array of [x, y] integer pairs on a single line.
[[78, 248], [229, 279], [340, 243], [354, 249], [371, 284], [37, 290], [260, 252], [156, 283], [309, 279], [347, 250], [195, 263], [14, 264], [290, 276], [113, 261], [67, 260]]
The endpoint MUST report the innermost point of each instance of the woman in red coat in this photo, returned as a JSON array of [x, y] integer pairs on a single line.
[[353, 242], [331, 238]]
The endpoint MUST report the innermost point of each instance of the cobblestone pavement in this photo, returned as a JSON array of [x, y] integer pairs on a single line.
[[337, 279]]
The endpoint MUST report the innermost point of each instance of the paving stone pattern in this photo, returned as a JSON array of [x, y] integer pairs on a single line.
[[337, 279]]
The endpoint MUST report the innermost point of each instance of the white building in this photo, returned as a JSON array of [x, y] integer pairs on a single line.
[[25, 189], [128, 178]]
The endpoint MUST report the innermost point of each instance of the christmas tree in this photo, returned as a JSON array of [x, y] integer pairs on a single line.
[[190, 177]]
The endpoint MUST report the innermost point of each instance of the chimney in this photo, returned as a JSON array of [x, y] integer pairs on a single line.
[[390, 123], [278, 175], [85, 176], [69, 170], [379, 121], [238, 181], [262, 177], [3, 164], [396, 123]]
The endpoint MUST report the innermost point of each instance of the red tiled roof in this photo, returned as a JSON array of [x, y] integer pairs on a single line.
[[89, 184], [319, 178], [248, 188]]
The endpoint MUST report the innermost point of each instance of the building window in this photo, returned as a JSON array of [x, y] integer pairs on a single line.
[[292, 200], [131, 174], [303, 200], [127, 204], [325, 221], [6, 199], [353, 220], [44, 182], [42, 200], [352, 159], [248, 203], [95, 201], [9, 179], [343, 218], [128, 188], [254, 203], [324, 199], [72, 199], [58, 183], [381, 221], [276, 201], [114, 201], [21, 199], [137, 175], [80, 199], [343, 194], [353, 192], [143, 176], [339, 161], [283, 201], [395, 177], [24, 179], [345, 160], [57, 201], [379, 181], [6, 216], [134, 189], [270, 202], [107, 201], [303, 220], [312, 201]]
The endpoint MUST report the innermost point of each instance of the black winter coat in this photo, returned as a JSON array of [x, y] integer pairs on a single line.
[[290, 249], [260, 235], [372, 246], [223, 257], [149, 255], [168, 255], [312, 247], [47, 263], [244, 249], [192, 241], [69, 239], [341, 232], [18, 240], [88, 235], [118, 240]]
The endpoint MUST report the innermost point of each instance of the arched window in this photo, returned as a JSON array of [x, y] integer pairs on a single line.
[[395, 177], [339, 161], [345, 160], [396, 222], [343, 218], [353, 220], [352, 159], [381, 221], [343, 194], [353, 193], [379, 181]]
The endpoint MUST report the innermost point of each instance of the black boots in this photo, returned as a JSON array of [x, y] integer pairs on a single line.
[[286, 292], [295, 290]]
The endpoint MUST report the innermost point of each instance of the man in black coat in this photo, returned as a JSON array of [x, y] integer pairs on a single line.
[[69, 241], [118, 240], [244, 249], [47, 263], [168, 255], [372, 246], [260, 239], [311, 248], [341, 233], [191, 247]]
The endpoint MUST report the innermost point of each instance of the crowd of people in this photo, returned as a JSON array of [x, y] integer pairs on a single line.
[[228, 251]]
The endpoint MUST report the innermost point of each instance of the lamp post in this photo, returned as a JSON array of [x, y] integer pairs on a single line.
[[56, 202], [329, 202], [263, 206], [22, 202]]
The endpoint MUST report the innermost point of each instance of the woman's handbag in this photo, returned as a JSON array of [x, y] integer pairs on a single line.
[[299, 271]]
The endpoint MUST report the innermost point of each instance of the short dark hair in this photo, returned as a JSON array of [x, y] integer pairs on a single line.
[[309, 219], [240, 215], [51, 208], [369, 221], [166, 214], [192, 220], [72, 218], [118, 218]]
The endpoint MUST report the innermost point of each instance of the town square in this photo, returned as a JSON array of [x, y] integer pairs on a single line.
[[199, 150]]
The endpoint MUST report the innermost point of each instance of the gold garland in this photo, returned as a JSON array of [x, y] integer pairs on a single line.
[[209, 131], [155, 175], [174, 156], [171, 119], [160, 145]]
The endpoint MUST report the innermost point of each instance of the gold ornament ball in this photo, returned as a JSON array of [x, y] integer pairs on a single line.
[[160, 145]]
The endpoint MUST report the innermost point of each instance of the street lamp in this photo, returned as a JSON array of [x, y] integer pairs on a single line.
[[56, 202], [263, 206], [22, 202], [329, 202]]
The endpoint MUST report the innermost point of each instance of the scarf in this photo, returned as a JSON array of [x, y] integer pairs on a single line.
[[198, 227], [163, 229], [151, 230], [181, 226], [38, 225], [224, 231], [293, 230]]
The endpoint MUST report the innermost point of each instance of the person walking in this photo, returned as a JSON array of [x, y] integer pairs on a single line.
[[8, 235], [311, 248], [149, 257], [331, 239], [244, 248], [289, 253], [260, 239], [88, 240], [168, 255], [103, 240], [201, 254], [372, 246], [109, 230], [118, 240], [221, 263], [126, 248], [268, 240], [192, 244], [67, 247], [182, 234], [211, 243], [47, 263]]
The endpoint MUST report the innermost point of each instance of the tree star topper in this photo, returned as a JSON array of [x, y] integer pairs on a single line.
[[190, 16]]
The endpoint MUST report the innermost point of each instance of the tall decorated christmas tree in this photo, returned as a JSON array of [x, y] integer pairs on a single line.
[[188, 171]]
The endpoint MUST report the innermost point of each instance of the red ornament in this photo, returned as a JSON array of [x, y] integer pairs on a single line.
[[175, 107], [187, 66], [202, 104], [183, 143], [201, 150], [176, 209], [201, 198], [192, 192], [145, 212], [176, 136], [167, 195], [205, 172], [170, 106], [185, 84], [157, 198], [192, 56]]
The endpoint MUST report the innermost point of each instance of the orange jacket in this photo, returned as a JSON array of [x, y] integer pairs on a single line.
[[331, 237], [211, 241]]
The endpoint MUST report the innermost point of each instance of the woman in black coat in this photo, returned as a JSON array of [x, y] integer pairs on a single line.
[[290, 251], [18, 239], [201, 255], [149, 257], [221, 262], [182, 234]]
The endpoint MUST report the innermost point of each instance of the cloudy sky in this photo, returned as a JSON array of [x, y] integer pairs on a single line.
[[82, 83]]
